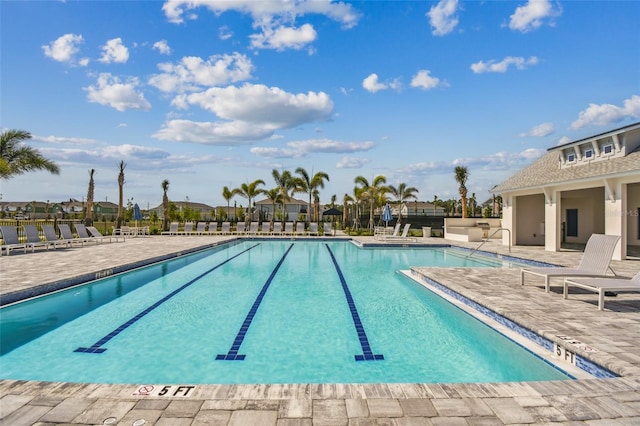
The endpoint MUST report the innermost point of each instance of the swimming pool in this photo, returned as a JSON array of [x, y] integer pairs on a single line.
[[263, 312]]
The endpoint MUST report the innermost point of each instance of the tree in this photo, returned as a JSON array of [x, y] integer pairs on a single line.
[[285, 183], [462, 174], [402, 194], [88, 216], [308, 184], [228, 194], [250, 191], [372, 192], [122, 166], [165, 205], [16, 159], [345, 205], [273, 195]]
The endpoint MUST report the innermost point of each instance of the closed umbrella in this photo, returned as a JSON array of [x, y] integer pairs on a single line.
[[137, 214], [386, 214]]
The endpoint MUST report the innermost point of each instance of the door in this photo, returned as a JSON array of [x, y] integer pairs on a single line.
[[572, 222]]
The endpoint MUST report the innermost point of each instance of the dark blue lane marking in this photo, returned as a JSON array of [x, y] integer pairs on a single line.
[[367, 353], [96, 347], [232, 355]]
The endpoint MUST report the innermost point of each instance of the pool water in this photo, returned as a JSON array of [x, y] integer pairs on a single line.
[[263, 312]]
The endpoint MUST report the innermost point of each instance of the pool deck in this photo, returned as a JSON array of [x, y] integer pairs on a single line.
[[610, 338]]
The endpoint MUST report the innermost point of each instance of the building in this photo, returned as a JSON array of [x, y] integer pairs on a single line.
[[201, 210], [576, 189], [294, 209]]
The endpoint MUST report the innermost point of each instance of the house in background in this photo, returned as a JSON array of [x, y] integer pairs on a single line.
[[577, 189], [294, 208]]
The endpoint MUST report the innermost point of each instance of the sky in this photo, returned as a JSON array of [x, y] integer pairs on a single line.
[[208, 94]]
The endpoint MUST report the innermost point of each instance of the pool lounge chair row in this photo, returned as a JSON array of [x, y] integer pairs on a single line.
[[254, 228], [592, 271], [86, 234]]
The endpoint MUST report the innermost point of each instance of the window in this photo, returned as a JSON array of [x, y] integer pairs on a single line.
[[588, 153], [571, 158], [607, 149]]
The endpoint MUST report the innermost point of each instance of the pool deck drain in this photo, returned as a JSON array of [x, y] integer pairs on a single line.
[[612, 337]]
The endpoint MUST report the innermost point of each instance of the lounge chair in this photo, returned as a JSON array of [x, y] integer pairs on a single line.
[[313, 228], [240, 228], [595, 261], [212, 229], [52, 238], [225, 228], [396, 232], [96, 234], [253, 228], [173, 229], [200, 228], [65, 231], [266, 228], [602, 285], [11, 240], [188, 229], [277, 228], [288, 228], [326, 228], [404, 237], [33, 237], [299, 228]]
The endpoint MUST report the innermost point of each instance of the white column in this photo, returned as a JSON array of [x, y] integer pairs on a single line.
[[552, 220], [615, 215], [508, 207]]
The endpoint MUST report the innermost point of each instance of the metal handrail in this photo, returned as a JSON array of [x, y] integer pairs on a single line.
[[489, 237]]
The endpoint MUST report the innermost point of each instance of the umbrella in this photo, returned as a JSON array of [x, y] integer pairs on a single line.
[[386, 214], [137, 214], [332, 212]]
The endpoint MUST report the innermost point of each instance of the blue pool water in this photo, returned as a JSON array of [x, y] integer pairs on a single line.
[[263, 312]]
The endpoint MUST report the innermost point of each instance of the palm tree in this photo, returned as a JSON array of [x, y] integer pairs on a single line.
[[345, 205], [402, 194], [122, 166], [228, 194], [435, 200], [462, 174], [165, 205], [308, 184], [372, 192], [16, 159], [285, 183], [88, 216], [274, 196], [250, 191]]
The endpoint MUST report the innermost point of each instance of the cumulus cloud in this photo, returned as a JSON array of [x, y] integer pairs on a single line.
[[442, 17], [114, 51], [492, 66], [424, 80], [605, 114], [352, 163], [372, 84], [110, 91], [541, 130], [275, 20], [192, 72], [532, 15], [163, 47], [224, 33], [299, 149], [64, 49], [213, 133], [282, 38], [64, 140]]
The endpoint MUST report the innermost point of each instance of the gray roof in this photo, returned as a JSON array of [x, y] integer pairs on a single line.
[[546, 171]]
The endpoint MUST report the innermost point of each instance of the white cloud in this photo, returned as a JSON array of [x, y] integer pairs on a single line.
[[213, 133], [531, 16], [192, 72], [563, 140], [64, 49], [282, 38], [299, 149], [352, 163], [502, 160], [110, 91], [502, 66], [224, 33], [372, 85], [114, 51], [163, 47], [424, 80], [274, 19], [442, 17], [267, 106], [64, 140], [605, 114], [541, 130]]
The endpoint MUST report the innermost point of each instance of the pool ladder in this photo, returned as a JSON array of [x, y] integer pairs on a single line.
[[484, 240]]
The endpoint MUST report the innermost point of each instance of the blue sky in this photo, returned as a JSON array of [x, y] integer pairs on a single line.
[[210, 94]]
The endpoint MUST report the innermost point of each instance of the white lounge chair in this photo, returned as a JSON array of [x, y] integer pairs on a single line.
[[299, 228], [11, 241], [212, 228], [266, 228], [173, 229], [188, 229], [396, 232], [93, 231], [602, 285], [277, 228], [313, 228], [240, 228], [52, 238], [225, 228], [200, 228], [595, 261], [288, 228], [326, 228], [403, 237], [67, 235], [253, 228]]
